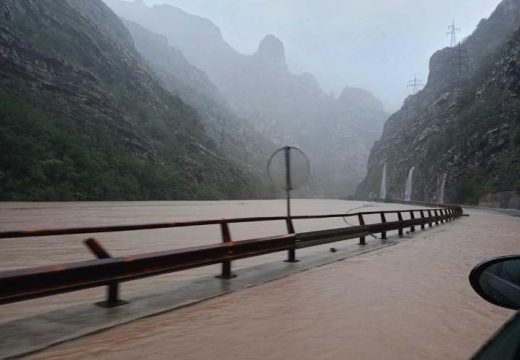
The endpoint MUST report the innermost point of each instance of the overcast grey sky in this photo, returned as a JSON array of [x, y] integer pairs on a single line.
[[375, 44]]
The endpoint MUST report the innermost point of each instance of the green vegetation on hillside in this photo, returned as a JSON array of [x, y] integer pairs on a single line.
[[48, 156], [83, 118]]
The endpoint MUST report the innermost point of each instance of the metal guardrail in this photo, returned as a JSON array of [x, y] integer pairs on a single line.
[[30, 283]]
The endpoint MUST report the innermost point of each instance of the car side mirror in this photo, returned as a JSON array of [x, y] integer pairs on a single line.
[[498, 281]]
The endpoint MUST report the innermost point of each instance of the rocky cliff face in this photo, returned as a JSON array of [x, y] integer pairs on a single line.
[[289, 109], [271, 54], [460, 133], [235, 138], [83, 117]]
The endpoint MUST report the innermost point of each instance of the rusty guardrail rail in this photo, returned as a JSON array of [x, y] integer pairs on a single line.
[[30, 283]]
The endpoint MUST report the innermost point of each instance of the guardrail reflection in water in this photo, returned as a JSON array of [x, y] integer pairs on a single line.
[[30, 283]]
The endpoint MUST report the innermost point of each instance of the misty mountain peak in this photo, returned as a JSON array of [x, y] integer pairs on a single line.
[[271, 50], [355, 96]]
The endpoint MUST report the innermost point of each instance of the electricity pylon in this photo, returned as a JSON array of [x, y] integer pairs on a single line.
[[460, 59], [415, 84], [453, 33]]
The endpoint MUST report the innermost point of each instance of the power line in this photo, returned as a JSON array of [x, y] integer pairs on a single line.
[[453, 33]]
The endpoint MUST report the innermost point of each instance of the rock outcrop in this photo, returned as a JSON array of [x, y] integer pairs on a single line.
[[271, 54]]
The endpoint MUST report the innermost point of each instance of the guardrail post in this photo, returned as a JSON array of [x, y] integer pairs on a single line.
[[383, 220], [412, 217], [422, 218], [112, 288], [362, 240], [430, 218], [443, 220], [436, 217], [291, 253], [400, 218], [226, 265]]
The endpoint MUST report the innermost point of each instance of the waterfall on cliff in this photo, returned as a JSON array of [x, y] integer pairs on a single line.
[[408, 188], [382, 189], [443, 186]]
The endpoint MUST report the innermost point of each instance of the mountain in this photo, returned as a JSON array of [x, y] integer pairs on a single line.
[[234, 137], [164, 58], [289, 109], [83, 116], [461, 133]]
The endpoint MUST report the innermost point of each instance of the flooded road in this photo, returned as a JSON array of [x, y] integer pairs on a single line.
[[25, 252], [409, 301]]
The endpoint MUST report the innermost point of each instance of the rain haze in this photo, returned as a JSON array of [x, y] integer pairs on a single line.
[[378, 45], [246, 179]]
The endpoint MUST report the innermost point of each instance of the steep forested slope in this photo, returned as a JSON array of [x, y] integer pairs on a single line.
[[234, 137], [82, 116]]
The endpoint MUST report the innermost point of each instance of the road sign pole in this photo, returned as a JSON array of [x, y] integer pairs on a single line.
[[291, 253], [297, 168], [288, 186]]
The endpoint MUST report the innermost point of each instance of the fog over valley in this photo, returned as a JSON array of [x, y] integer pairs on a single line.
[[377, 45]]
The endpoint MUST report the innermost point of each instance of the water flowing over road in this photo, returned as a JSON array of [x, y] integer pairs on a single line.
[[25, 252], [409, 301]]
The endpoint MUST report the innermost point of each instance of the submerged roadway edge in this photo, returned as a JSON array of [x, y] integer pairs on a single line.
[[24, 336]]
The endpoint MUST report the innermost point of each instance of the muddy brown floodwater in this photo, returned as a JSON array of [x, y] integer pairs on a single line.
[[409, 301], [24, 252]]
